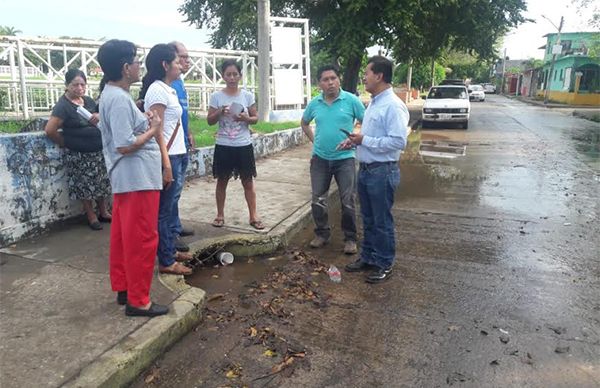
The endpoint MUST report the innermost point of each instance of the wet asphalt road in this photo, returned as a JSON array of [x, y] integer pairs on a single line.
[[496, 282]]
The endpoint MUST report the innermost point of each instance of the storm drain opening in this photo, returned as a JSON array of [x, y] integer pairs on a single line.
[[443, 150]]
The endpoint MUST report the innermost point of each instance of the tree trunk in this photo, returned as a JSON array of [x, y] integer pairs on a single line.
[[432, 72], [351, 74]]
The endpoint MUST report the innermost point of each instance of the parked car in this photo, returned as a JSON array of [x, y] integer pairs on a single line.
[[489, 88], [476, 93], [448, 104]]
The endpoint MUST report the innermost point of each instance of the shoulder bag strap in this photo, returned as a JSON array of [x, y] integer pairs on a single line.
[[172, 139]]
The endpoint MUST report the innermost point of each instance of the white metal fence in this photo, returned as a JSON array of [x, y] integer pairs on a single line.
[[24, 91]]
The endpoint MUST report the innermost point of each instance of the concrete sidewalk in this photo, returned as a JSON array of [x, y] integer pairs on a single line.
[[60, 324]]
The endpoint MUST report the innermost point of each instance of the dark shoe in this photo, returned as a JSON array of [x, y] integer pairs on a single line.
[[106, 220], [358, 266], [186, 232], [122, 298], [181, 246], [95, 225], [319, 242], [154, 311], [379, 275]]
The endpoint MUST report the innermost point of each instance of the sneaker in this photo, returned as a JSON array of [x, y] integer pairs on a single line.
[[318, 242], [350, 247]]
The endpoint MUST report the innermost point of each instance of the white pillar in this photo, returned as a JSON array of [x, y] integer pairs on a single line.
[[24, 99], [264, 60]]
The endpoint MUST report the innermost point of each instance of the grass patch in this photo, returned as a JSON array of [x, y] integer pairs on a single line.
[[11, 126], [204, 134]]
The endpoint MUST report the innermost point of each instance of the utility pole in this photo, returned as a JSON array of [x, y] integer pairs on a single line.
[[503, 71], [549, 77], [264, 60], [409, 80]]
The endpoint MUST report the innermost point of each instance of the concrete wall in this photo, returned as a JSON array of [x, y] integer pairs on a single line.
[[592, 99], [33, 185]]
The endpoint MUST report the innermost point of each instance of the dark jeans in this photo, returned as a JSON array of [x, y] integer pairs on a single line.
[[180, 181], [376, 186], [166, 212], [344, 172]]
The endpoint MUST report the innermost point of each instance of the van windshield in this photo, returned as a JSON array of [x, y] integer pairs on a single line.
[[447, 93]]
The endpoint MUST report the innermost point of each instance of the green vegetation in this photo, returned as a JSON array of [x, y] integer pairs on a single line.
[[341, 31], [421, 75], [204, 134], [12, 126]]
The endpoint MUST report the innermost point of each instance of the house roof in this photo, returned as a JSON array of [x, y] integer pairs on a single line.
[[571, 33]]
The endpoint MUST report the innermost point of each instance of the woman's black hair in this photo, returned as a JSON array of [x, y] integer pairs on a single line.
[[112, 55], [71, 74], [230, 62], [154, 65]]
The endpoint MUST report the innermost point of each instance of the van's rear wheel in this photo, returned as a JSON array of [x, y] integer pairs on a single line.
[[465, 125]]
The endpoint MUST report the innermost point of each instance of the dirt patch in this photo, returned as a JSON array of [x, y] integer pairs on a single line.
[[249, 338]]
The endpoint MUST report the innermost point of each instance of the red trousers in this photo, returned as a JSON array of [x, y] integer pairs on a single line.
[[133, 243]]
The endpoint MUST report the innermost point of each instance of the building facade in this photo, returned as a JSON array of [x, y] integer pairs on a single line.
[[574, 78]]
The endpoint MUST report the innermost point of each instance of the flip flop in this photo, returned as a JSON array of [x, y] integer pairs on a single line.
[[257, 224], [218, 222], [176, 269], [183, 256]]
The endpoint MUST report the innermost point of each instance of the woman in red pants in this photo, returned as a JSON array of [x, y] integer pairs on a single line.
[[130, 142]]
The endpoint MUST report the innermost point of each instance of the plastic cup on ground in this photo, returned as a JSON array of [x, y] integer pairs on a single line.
[[225, 258]]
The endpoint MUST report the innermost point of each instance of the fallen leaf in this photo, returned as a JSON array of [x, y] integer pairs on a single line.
[[453, 328], [231, 374], [215, 296], [215, 276], [253, 332], [269, 353]]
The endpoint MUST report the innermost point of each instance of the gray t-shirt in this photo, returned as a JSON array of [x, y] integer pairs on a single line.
[[232, 133], [120, 123]]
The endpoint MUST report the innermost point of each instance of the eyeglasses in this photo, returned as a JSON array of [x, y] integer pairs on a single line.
[[185, 57]]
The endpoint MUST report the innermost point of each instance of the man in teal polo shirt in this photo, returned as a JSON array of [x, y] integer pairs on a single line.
[[335, 112]]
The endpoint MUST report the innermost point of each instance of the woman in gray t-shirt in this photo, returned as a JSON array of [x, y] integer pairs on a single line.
[[234, 109], [133, 162]]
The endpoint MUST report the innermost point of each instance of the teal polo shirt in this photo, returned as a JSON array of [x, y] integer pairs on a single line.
[[342, 113]]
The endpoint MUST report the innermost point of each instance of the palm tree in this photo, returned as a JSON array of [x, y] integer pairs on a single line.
[[7, 30]]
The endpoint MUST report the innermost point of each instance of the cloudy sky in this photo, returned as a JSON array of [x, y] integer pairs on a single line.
[[153, 21]]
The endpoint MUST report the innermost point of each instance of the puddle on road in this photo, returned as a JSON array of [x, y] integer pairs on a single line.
[[587, 143], [218, 279]]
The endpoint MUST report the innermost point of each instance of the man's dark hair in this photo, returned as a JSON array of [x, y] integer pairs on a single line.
[[325, 68], [382, 65]]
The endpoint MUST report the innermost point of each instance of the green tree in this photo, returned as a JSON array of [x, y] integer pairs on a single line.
[[419, 29], [589, 8], [10, 31], [421, 75]]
